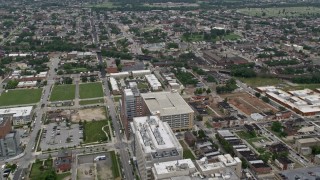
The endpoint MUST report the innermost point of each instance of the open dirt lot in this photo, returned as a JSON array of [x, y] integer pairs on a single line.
[[86, 171], [89, 114], [248, 104]]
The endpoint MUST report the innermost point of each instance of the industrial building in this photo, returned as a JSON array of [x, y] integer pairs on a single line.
[[18, 116], [170, 107], [305, 102], [154, 142]]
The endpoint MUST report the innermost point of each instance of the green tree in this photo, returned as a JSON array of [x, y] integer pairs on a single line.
[[12, 84], [265, 99], [257, 94], [208, 91], [276, 127]]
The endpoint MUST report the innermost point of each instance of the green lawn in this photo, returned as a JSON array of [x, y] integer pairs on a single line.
[[20, 96], [38, 173], [303, 86], [280, 11], [63, 92], [116, 98], [231, 37], [93, 131], [93, 101], [115, 166], [259, 81], [249, 138], [91, 90], [142, 85], [187, 154], [63, 175]]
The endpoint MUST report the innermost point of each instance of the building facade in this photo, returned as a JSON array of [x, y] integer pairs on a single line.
[[154, 142], [170, 107]]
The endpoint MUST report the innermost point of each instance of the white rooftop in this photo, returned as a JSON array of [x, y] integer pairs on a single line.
[[170, 167], [17, 112], [225, 133], [154, 134], [166, 103], [114, 84]]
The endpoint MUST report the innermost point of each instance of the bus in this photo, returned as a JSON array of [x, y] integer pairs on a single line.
[[99, 158]]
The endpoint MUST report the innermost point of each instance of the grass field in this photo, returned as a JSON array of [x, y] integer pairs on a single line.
[[258, 81], [142, 85], [187, 154], [20, 96], [91, 90], [280, 12], [37, 172], [115, 166], [93, 131], [116, 98], [105, 5], [303, 86], [231, 37], [249, 138], [63, 175], [63, 92], [93, 101]]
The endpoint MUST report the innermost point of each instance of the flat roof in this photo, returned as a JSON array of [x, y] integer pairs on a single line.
[[308, 140], [225, 133], [154, 134], [17, 112], [174, 166], [114, 84], [166, 103]]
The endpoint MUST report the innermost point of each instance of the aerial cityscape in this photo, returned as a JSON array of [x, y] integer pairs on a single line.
[[160, 90]]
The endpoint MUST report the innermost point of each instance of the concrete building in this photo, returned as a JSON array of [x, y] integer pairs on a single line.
[[284, 163], [9, 140], [130, 107], [27, 84], [170, 107], [120, 75], [9, 145], [154, 142], [305, 144], [18, 116], [114, 86], [140, 73], [171, 169], [224, 164], [305, 102]]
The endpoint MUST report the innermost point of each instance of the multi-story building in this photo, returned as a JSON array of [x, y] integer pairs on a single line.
[[170, 107], [19, 115], [130, 107], [9, 140], [223, 164], [167, 170], [154, 142]]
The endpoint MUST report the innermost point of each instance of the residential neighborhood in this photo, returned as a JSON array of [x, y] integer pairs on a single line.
[[158, 89]]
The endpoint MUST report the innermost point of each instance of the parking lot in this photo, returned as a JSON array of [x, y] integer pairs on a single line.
[[56, 136]]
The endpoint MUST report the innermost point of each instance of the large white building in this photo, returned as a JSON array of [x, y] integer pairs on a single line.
[[19, 115], [225, 165], [154, 142], [170, 169], [170, 107]]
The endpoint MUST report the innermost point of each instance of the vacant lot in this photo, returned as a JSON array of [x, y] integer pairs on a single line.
[[93, 131], [89, 114], [63, 92], [20, 96], [280, 12], [248, 104], [91, 90]]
